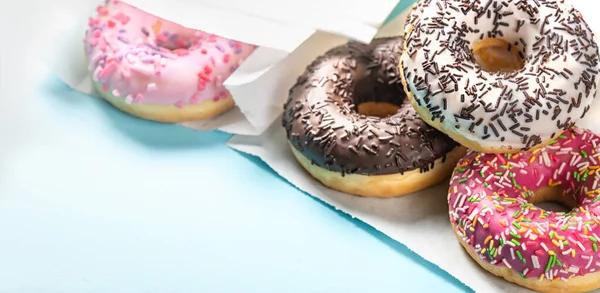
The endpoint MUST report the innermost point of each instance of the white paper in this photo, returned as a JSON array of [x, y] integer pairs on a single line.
[[65, 23], [262, 100], [420, 220], [355, 19]]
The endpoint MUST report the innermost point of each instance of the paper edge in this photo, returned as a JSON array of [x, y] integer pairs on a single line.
[[210, 19], [240, 140]]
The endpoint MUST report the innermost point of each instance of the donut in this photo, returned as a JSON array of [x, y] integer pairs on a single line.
[[349, 124], [158, 70], [494, 198], [500, 76]]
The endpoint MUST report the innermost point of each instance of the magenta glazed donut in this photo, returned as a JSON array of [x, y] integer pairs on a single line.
[[492, 201], [158, 70]]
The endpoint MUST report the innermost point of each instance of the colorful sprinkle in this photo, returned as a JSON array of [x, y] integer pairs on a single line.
[[532, 239]]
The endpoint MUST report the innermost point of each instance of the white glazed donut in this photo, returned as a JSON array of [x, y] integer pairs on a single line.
[[500, 111]]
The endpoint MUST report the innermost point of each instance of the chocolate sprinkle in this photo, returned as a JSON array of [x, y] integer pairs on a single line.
[[322, 122], [541, 99]]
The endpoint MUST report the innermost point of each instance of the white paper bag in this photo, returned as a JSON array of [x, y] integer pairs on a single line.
[[420, 220], [355, 19], [65, 23]]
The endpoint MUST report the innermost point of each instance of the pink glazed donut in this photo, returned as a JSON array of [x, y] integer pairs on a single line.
[[158, 70], [492, 201]]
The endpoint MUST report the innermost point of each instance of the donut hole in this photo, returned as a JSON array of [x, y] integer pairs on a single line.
[[498, 55], [553, 199], [377, 109], [378, 99], [172, 40]]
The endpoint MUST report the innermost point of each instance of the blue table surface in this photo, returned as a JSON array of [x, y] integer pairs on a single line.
[[94, 200]]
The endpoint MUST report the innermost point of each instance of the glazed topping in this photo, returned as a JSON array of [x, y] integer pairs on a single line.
[[491, 207], [322, 121], [144, 59], [521, 107]]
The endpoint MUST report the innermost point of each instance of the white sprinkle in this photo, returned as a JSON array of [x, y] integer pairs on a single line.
[[458, 198], [583, 165], [589, 262], [567, 251], [151, 87], [540, 228], [539, 183], [577, 159], [462, 201], [525, 271], [535, 261], [546, 158], [512, 253], [574, 269], [506, 263], [116, 93], [472, 216], [580, 245], [544, 246]]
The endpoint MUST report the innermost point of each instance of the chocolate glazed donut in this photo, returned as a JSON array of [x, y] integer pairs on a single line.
[[389, 151]]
